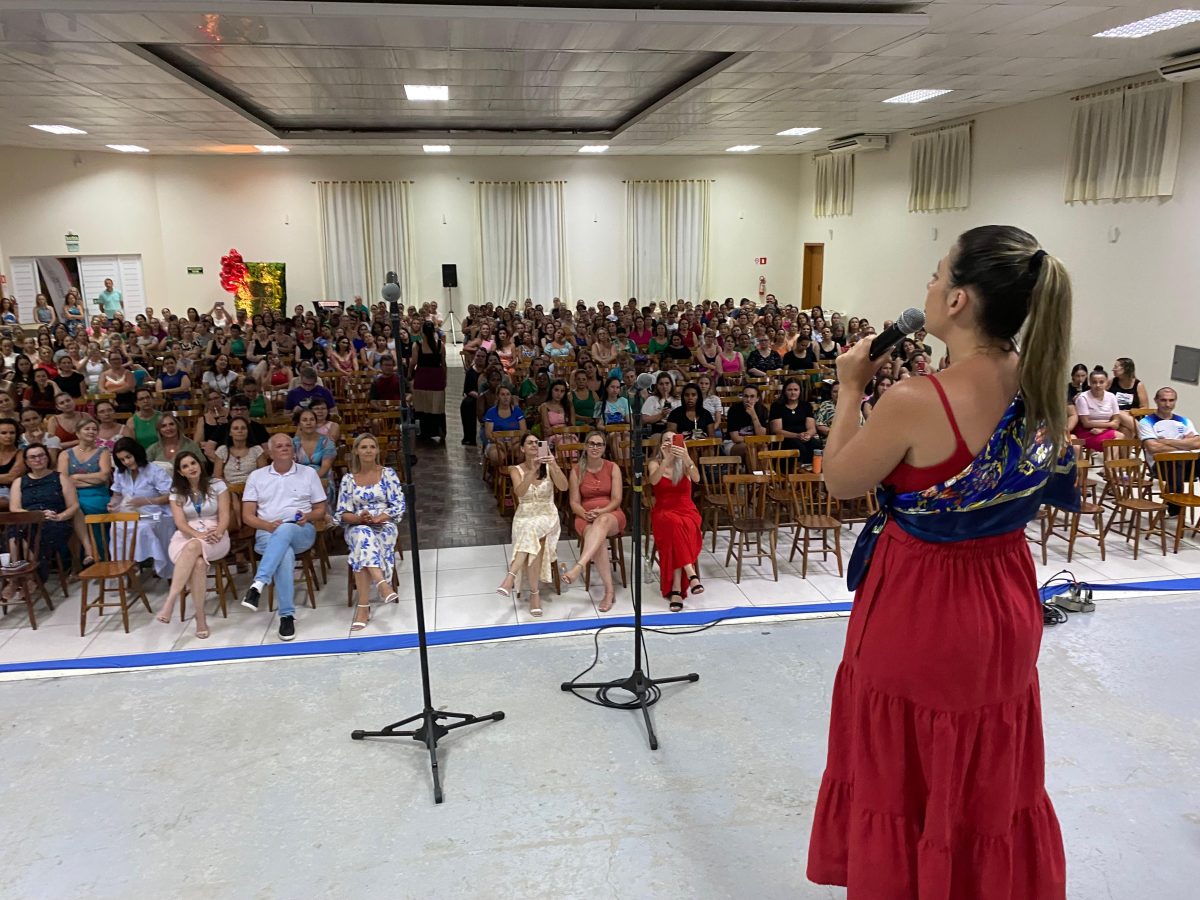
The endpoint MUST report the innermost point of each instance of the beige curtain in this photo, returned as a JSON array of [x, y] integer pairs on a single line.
[[522, 241], [365, 233], [833, 194], [939, 174], [1124, 143], [667, 235]]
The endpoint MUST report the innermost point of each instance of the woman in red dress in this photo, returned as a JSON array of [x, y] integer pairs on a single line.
[[675, 522], [935, 782], [596, 494]]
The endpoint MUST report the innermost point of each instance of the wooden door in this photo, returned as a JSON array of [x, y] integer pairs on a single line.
[[814, 275]]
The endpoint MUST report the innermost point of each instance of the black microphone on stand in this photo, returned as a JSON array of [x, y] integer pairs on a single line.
[[912, 319]]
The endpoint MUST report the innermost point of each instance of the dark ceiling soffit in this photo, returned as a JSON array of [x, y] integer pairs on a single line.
[[195, 77]]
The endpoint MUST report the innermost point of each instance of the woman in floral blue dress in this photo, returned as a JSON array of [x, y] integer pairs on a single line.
[[370, 506]]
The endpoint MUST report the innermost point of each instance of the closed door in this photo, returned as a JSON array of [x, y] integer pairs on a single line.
[[814, 275]]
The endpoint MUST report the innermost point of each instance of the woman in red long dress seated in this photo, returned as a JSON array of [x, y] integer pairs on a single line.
[[596, 495], [675, 522], [935, 781]]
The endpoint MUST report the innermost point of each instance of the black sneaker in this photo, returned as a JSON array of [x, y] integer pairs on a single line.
[[287, 628], [250, 601]]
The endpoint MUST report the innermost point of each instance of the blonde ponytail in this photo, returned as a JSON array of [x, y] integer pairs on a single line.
[[1044, 350]]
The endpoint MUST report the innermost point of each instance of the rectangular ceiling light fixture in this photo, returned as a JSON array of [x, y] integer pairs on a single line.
[[58, 129], [1162, 22], [742, 148], [594, 148], [796, 132], [271, 148], [436, 148], [127, 148], [426, 92], [915, 97]]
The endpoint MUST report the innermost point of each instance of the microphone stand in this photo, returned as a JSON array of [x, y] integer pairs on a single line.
[[435, 723], [644, 690]]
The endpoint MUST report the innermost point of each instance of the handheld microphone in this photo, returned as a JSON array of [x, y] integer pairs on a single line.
[[912, 319]]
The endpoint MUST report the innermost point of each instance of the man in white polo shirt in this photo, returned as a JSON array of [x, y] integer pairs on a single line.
[[281, 502], [1164, 431]]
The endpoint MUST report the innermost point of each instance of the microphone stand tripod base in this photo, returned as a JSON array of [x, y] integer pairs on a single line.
[[637, 685]]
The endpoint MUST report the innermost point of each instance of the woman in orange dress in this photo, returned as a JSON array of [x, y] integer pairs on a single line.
[[596, 495]]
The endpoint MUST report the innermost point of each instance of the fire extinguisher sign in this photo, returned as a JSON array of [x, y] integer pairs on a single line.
[[761, 260]]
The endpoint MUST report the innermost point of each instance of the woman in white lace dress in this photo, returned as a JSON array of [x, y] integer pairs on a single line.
[[370, 506], [535, 523]]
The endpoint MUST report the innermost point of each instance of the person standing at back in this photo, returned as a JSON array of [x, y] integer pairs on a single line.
[[110, 300]]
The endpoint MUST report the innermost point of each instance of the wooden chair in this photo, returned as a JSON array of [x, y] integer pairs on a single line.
[[119, 552], [223, 587], [1122, 477], [307, 562], [22, 538], [814, 513], [1176, 474], [1051, 519], [713, 506], [616, 558], [1138, 476], [351, 589], [756, 443], [746, 504]]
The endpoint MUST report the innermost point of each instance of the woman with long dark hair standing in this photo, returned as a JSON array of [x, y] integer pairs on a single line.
[[934, 785], [429, 383]]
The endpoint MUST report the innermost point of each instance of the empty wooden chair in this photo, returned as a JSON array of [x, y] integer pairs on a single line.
[[1122, 477], [814, 515], [746, 505], [117, 552]]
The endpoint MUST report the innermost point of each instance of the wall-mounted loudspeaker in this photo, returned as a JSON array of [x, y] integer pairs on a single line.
[[449, 275]]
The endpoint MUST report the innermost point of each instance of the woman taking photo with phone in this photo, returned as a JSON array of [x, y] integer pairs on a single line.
[[535, 525], [675, 521]]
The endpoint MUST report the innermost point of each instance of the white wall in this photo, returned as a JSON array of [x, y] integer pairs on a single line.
[[1137, 297], [190, 210]]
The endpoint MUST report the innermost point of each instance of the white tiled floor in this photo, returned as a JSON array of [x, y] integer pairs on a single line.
[[459, 590]]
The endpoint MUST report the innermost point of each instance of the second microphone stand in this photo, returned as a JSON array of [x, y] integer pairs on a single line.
[[642, 691]]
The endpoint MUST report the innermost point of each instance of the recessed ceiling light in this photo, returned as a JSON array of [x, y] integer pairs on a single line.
[[426, 92], [1162, 22], [436, 148], [796, 132], [127, 148], [915, 97], [58, 129], [594, 148], [742, 148], [271, 148]]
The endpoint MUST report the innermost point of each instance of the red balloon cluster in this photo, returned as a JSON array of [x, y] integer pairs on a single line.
[[233, 271]]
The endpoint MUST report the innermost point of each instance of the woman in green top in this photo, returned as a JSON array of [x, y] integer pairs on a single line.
[[170, 443], [143, 424], [583, 399], [237, 343], [660, 341]]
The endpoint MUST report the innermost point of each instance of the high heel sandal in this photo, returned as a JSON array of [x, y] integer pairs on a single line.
[[565, 574], [696, 588], [612, 601], [165, 617], [535, 611], [359, 626], [391, 597], [676, 605], [508, 592], [203, 633]]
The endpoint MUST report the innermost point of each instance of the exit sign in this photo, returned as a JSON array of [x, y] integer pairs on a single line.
[[761, 260], [195, 270]]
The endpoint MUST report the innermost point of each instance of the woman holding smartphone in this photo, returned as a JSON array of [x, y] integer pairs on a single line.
[[535, 525], [675, 521]]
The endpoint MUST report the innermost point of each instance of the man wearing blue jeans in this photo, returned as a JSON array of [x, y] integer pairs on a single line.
[[281, 502]]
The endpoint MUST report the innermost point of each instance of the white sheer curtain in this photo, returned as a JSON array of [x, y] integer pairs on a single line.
[[667, 234], [522, 240], [834, 191], [940, 169], [1124, 143], [365, 233]]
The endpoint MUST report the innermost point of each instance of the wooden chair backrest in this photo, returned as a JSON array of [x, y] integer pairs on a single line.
[[1124, 476], [779, 462], [811, 499], [745, 495], [25, 533], [121, 545], [1176, 472]]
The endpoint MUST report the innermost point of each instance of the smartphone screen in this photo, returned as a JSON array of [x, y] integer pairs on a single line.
[[678, 439]]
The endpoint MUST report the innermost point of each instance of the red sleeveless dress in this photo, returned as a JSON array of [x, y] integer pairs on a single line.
[[934, 783], [675, 522]]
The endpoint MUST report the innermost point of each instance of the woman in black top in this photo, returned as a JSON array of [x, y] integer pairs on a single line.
[[801, 357], [676, 349], [792, 418], [1079, 382], [690, 417], [828, 349], [429, 383], [745, 419], [1130, 392]]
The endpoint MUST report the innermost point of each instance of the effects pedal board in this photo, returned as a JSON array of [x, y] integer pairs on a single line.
[[1077, 599]]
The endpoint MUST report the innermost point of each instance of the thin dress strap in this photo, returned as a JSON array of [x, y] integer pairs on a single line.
[[941, 392]]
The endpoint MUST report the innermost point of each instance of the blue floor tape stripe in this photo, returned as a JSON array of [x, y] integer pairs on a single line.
[[407, 641], [1188, 583]]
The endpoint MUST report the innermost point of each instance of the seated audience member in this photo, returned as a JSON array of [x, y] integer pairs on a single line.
[[385, 387], [745, 419], [801, 357], [117, 378], [238, 456], [675, 522], [313, 449], [281, 502], [792, 418], [12, 466], [41, 394], [690, 418], [142, 488], [659, 405], [170, 442], [882, 384], [763, 359], [65, 421], [1098, 413], [240, 405], [677, 350], [173, 382], [33, 432], [88, 467], [613, 408], [1165, 431], [142, 426], [1129, 392], [68, 379], [370, 506], [504, 416], [8, 405], [200, 511], [303, 393], [257, 401], [1078, 383], [596, 492], [210, 427], [42, 489], [823, 416]]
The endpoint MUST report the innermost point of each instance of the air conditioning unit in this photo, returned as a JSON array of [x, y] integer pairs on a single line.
[[857, 143], [1185, 68]]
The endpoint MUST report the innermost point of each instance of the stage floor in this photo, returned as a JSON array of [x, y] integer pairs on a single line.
[[241, 779]]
